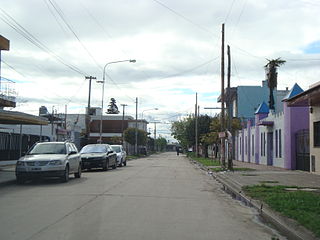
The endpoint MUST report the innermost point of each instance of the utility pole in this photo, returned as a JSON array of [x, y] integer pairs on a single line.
[[88, 108], [136, 132], [196, 124], [228, 102], [155, 134], [65, 116], [223, 160], [122, 127], [52, 119], [230, 144]]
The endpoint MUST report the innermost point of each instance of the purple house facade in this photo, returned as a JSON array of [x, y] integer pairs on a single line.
[[272, 139]]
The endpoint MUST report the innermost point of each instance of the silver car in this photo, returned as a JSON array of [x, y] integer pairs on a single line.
[[121, 155], [49, 159]]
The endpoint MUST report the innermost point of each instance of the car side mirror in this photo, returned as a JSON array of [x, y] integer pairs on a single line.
[[110, 152]]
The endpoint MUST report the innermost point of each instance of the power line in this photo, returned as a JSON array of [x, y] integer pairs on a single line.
[[229, 11], [305, 59], [31, 38], [13, 68], [61, 14], [191, 69], [239, 17], [185, 18]]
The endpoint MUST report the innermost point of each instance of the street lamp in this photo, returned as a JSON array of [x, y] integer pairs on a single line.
[[148, 110], [103, 81]]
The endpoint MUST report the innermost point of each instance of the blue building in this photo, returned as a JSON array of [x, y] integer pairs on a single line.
[[245, 100]]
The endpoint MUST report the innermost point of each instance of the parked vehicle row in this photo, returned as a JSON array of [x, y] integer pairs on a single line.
[[60, 159]]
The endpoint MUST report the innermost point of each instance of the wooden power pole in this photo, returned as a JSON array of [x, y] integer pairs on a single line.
[[196, 124], [230, 143], [222, 152]]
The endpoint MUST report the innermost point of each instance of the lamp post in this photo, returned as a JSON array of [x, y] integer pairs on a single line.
[[148, 110], [103, 81]]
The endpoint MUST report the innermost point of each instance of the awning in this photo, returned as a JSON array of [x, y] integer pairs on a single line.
[[12, 117]]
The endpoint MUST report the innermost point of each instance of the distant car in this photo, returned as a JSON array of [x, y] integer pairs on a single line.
[[49, 159], [98, 156], [121, 155]]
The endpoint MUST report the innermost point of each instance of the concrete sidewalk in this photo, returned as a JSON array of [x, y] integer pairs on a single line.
[[234, 181]]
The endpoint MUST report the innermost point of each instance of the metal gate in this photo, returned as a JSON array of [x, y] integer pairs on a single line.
[[303, 150]]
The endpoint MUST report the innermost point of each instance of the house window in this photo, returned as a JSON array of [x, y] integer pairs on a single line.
[[280, 147], [252, 145], [316, 134], [276, 137], [246, 145], [261, 143], [264, 144]]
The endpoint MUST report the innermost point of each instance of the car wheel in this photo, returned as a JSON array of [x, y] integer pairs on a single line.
[[125, 163], [20, 180], [78, 174], [65, 177], [105, 165]]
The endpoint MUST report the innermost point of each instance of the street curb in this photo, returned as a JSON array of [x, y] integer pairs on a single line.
[[286, 226]]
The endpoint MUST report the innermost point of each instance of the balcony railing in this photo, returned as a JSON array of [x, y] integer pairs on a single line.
[[7, 93]]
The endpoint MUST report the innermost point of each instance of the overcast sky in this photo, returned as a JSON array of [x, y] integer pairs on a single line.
[[54, 44]]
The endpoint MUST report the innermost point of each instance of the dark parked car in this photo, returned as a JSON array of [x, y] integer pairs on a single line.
[[98, 156], [49, 159]]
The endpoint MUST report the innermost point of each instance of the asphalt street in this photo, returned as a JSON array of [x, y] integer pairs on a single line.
[[163, 196]]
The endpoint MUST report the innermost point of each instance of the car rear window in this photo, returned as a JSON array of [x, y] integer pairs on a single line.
[[93, 149], [116, 148], [48, 149]]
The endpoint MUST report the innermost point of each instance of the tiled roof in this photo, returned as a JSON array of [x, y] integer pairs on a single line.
[[263, 108]]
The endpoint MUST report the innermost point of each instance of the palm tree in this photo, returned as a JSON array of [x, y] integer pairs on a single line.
[[272, 76]]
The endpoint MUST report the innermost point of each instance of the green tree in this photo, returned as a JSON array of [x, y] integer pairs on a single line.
[[208, 131], [161, 143], [179, 131], [130, 136], [272, 77], [184, 130]]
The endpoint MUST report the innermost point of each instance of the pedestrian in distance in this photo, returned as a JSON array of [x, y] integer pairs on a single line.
[[178, 150]]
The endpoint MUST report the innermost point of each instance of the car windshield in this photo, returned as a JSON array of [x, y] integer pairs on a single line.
[[93, 149], [48, 149], [116, 148]]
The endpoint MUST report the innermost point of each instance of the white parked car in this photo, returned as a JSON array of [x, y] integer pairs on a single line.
[[49, 159], [121, 155]]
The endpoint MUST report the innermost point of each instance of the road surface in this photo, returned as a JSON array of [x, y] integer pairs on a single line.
[[162, 196]]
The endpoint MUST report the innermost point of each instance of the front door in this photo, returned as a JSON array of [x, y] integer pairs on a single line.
[[302, 150], [270, 148]]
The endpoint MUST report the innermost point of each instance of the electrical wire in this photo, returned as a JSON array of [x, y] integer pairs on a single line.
[[190, 70], [13, 68], [229, 11], [5, 17], [185, 18], [68, 25]]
